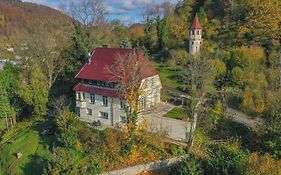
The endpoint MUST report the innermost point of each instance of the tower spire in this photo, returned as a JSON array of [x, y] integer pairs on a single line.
[[195, 36], [196, 24]]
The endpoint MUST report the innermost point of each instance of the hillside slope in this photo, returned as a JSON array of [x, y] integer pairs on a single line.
[[19, 18]]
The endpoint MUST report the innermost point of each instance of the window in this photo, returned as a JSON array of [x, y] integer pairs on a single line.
[[111, 85], [192, 42], [89, 111], [104, 101], [198, 32], [104, 115], [123, 119], [92, 98], [193, 32], [83, 95], [78, 96], [122, 104]]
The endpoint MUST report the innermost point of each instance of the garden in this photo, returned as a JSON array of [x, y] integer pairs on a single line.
[[49, 148]]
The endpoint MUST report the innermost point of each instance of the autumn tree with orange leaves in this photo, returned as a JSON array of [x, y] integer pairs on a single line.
[[128, 72]]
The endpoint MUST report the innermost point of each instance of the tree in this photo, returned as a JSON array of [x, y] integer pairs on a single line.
[[128, 73], [185, 8], [125, 43], [162, 31], [67, 124], [202, 16], [198, 76], [8, 85], [33, 89], [88, 12], [5, 108], [261, 20], [45, 51]]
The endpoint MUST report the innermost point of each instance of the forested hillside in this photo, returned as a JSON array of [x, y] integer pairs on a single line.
[[18, 19]]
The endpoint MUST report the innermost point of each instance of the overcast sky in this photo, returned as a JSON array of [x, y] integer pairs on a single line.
[[128, 11]]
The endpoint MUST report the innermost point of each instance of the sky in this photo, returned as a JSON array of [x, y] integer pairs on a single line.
[[127, 11]]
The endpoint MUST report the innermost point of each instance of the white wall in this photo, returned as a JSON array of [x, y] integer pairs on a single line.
[[113, 109], [151, 87]]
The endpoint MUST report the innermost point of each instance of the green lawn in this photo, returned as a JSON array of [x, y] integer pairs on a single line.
[[177, 113], [35, 151], [2, 123], [169, 77]]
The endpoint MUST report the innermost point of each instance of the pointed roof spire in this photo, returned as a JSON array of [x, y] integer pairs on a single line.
[[196, 23]]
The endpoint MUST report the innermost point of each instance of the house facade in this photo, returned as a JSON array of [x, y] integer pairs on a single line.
[[97, 97]]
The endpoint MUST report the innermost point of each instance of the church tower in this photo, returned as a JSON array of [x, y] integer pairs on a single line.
[[195, 37]]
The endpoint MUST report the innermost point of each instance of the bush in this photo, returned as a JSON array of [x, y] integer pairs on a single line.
[[177, 151], [67, 124], [225, 159], [256, 164], [188, 166]]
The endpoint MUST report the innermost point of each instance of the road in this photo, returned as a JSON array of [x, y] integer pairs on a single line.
[[243, 118]]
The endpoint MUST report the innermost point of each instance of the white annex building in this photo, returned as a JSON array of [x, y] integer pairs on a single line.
[[97, 97]]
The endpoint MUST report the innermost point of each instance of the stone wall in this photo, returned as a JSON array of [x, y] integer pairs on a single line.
[[147, 167]]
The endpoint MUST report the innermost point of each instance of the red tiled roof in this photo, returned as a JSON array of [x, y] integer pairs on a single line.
[[196, 23], [95, 69], [94, 90]]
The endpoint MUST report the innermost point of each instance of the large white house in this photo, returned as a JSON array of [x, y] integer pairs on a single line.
[[97, 97]]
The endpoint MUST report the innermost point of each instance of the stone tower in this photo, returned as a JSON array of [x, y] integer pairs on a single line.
[[195, 37]]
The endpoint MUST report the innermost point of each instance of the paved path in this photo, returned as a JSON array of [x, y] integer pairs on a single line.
[[158, 111], [243, 118]]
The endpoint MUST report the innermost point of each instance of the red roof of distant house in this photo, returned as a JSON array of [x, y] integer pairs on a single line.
[[95, 90], [95, 69], [196, 23]]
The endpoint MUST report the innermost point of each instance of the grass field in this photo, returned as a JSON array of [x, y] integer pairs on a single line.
[[177, 113], [34, 149], [169, 77], [2, 123]]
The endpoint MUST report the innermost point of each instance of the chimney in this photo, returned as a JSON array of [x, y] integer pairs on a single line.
[[105, 46]]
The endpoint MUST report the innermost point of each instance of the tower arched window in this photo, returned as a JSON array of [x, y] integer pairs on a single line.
[[193, 32], [198, 32]]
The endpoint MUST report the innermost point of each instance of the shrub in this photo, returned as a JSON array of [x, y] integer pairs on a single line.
[[67, 123], [256, 164], [225, 159], [188, 166], [177, 150]]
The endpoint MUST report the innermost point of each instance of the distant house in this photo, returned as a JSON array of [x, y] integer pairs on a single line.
[[97, 97]]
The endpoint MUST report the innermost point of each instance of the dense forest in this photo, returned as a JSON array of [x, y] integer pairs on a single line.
[[239, 66]]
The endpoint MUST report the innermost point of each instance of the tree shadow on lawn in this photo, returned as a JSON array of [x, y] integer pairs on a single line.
[[35, 166], [38, 160], [230, 130]]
